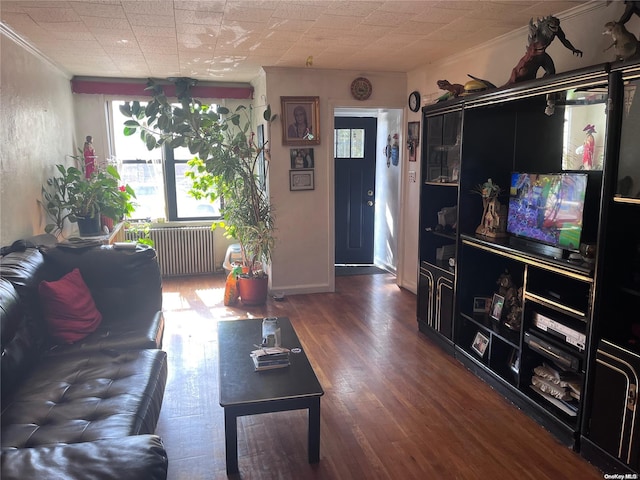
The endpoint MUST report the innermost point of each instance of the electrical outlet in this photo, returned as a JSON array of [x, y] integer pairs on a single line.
[[412, 176]]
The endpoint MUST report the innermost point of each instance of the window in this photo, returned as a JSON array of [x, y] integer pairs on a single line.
[[349, 143], [157, 177]]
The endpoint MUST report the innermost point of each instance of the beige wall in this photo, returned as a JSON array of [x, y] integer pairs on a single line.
[[304, 255], [36, 132]]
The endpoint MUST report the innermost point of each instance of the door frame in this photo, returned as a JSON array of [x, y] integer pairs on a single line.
[[398, 115]]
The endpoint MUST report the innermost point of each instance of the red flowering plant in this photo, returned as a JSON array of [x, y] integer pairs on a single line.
[[70, 196]]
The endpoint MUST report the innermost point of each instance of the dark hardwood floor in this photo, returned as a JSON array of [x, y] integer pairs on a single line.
[[395, 405]]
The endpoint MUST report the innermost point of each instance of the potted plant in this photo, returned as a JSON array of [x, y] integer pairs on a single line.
[[73, 197], [224, 166]]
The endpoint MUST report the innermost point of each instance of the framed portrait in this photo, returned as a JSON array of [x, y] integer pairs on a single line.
[[301, 158], [481, 304], [496, 306], [480, 344], [301, 180], [300, 120], [413, 140]]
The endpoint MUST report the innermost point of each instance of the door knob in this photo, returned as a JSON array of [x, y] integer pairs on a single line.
[[370, 203]]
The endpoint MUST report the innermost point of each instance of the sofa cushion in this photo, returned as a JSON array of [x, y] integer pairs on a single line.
[[123, 283], [81, 398], [68, 307], [130, 458]]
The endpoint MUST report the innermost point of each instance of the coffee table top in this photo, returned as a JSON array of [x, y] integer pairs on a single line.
[[241, 384]]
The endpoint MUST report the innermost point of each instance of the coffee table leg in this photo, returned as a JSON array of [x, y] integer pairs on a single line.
[[231, 441], [314, 430]]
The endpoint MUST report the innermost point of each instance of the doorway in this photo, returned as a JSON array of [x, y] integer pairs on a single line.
[[355, 179]]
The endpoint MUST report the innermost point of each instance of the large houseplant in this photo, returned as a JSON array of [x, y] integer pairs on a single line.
[[224, 166], [70, 196]]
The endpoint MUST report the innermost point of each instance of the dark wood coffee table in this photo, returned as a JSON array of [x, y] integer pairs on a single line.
[[244, 391]]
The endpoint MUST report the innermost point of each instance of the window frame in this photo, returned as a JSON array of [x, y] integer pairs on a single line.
[[168, 163]]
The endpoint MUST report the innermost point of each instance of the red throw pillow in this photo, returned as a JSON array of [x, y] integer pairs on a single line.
[[69, 309]]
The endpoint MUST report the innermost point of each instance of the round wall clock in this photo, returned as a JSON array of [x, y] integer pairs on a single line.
[[361, 88], [414, 101]]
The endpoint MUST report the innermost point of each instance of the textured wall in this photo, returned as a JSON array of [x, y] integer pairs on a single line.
[[36, 132]]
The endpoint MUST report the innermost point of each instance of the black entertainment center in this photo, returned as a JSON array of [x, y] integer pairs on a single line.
[[539, 306]]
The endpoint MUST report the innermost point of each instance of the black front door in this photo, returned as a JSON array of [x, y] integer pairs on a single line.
[[355, 169]]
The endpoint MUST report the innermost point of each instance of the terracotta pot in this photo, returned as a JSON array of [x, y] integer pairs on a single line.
[[253, 290], [107, 222]]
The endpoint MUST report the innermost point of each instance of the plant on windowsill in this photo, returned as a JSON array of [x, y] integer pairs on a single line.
[[224, 165], [74, 198]]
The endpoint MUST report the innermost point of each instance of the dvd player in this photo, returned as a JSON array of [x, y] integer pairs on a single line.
[[561, 358], [559, 330]]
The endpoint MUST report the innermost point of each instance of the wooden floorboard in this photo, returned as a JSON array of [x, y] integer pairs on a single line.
[[395, 405]]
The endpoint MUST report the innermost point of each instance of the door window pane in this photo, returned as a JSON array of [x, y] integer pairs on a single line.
[[349, 143]]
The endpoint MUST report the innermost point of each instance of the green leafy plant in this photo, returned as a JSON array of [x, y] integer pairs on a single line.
[[224, 165], [71, 195]]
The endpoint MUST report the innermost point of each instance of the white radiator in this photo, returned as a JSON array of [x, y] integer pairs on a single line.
[[182, 250]]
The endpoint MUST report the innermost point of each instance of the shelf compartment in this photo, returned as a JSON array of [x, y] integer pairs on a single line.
[[503, 249], [566, 411], [550, 324], [569, 295], [495, 328]]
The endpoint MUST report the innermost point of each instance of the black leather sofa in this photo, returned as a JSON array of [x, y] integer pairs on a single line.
[[86, 410]]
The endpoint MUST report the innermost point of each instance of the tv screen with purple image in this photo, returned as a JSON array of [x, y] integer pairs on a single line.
[[547, 208]]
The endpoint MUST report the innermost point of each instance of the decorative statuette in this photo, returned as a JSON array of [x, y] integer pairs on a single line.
[[494, 215]]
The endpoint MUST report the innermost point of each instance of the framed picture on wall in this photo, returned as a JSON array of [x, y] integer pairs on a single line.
[[301, 180], [300, 120], [301, 158]]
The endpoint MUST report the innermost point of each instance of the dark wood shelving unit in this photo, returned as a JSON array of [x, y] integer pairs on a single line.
[[572, 311]]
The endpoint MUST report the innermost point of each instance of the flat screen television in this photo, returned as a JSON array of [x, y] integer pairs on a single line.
[[548, 208]]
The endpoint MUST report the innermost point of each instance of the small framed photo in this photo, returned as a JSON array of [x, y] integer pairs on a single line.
[[301, 180], [301, 158], [300, 120], [496, 306], [413, 140], [514, 362], [480, 344], [481, 304]]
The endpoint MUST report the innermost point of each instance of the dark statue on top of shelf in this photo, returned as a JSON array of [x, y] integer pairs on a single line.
[[625, 44], [630, 7], [541, 34], [454, 90]]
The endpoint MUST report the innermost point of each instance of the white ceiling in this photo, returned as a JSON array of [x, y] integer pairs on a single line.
[[229, 40]]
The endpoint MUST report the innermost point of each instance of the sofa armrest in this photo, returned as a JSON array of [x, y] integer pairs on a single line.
[[129, 458]]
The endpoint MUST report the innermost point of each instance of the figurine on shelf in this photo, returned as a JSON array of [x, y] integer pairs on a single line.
[[630, 7], [89, 156], [625, 43], [512, 295], [453, 90], [493, 222], [588, 147], [541, 34], [514, 310]]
